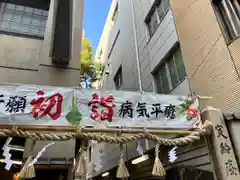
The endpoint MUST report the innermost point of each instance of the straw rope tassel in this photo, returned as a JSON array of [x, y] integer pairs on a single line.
[[27, 171], [89, 167], [80, 168], [122, 171], [158, 169]]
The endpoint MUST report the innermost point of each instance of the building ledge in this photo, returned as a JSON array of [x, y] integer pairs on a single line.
[[235, 116]]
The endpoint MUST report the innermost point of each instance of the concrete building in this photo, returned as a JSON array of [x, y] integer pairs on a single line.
[[40, 43], [101, 54], [208, 40], [151, 62], [120, 54]]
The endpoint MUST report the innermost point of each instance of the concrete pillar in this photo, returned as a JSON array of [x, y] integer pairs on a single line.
[[220, 146], [77, 14], [48, 36], [70, 173]]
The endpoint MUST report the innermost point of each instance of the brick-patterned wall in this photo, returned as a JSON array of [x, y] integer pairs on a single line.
[[210, 67], [234, 49]]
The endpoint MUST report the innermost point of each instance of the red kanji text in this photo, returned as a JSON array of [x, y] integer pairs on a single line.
[[107, 105], [51, 106]]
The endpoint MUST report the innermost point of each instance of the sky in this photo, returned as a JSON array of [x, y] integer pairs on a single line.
[[95, 14]]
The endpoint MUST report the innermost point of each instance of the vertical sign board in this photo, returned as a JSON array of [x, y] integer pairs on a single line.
[[224, 157]]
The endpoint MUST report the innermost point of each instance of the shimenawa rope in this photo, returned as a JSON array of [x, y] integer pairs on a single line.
[[158, 169], [195, 135]]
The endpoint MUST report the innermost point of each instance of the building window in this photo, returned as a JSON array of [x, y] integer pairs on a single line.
[[228, 13], [171, 73], [152, 23], [162, 8], [115, 14], [156, 15], [20, 19], [118, 78]]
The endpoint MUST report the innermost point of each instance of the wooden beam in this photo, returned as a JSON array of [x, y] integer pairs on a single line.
[[46, 166], [69, 129]]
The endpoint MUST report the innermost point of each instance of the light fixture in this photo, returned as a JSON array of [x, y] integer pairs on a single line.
[[140, 159], [105, 174], [16, 148], [13, 161]]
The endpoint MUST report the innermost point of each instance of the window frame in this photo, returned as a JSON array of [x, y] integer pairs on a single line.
[[154, 10], [118, 79], [174, 66], [158, 6], [156, 73], [223, 24], [149, 23], [22, 14]]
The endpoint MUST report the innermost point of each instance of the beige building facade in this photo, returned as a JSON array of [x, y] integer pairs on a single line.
[[40, 43], [210, 48]]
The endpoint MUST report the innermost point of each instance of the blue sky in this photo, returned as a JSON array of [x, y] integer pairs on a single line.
[[95, 14]]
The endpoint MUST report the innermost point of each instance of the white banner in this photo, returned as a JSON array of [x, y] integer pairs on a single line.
[[43, 105]]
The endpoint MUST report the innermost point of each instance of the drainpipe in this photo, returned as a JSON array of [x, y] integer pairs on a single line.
[[137, 57], [136, 48]]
